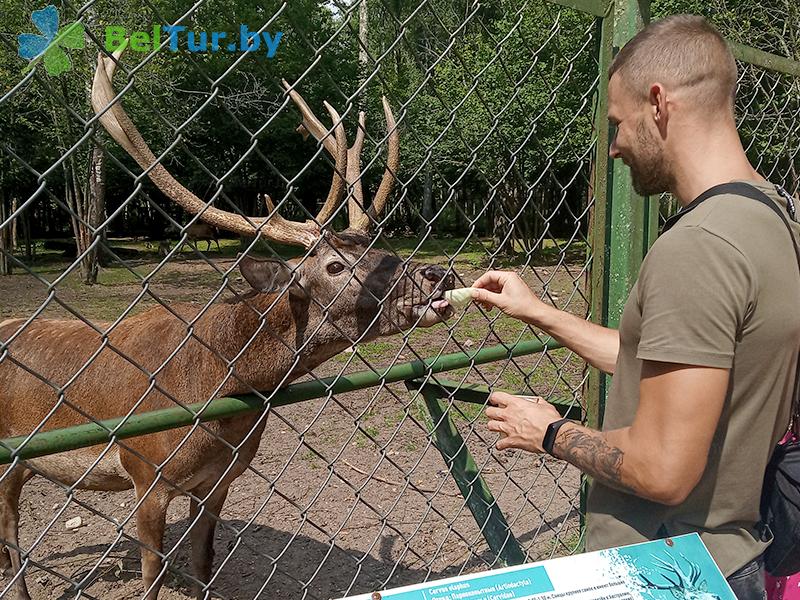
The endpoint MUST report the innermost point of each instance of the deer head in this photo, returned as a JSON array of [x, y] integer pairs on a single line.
[[684, 586], [359, 291]]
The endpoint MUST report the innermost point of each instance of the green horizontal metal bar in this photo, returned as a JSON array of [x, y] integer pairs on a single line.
[[598, 8], [479, 394], [482, 504], [769, 61], [91, 434]]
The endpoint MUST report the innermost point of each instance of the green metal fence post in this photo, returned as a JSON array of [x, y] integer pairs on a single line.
[[467, 475], [633, 218], [625, 224], [596, 383]]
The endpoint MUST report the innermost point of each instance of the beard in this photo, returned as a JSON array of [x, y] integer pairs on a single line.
[[650, 172]]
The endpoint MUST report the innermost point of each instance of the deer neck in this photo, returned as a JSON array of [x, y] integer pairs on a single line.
[[291, 337]]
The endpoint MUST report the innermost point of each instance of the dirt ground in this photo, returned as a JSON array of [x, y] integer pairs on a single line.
[[345, 496]]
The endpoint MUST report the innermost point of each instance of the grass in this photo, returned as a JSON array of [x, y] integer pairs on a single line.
[[361, 439], [563, 545]]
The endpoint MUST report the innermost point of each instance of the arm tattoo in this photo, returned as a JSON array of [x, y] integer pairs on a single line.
[[590, 452]]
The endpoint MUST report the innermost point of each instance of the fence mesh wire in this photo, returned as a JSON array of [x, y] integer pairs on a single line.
[[345, 493]]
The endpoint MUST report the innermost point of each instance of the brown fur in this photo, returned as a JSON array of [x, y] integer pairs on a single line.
[[200, 231], [132, 372]]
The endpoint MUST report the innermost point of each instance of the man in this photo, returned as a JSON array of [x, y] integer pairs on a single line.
[[703, 362]]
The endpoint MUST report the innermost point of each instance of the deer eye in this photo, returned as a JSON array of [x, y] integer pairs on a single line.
[[335, 268]]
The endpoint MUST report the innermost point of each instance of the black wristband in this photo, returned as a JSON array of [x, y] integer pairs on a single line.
[[550, 435]]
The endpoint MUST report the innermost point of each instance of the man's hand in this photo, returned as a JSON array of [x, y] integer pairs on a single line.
[[507, 291], [521, 422]]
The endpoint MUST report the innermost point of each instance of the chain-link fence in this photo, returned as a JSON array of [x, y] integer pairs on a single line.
[[139, 348], [765, 43]]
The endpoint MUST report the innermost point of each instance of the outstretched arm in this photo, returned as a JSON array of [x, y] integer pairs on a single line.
[[597, 345]]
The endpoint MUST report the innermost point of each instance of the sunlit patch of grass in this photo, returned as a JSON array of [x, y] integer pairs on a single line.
[[564, 544], [365, 435]]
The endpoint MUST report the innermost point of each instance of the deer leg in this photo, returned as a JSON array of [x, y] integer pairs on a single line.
[[202, 535], [5, 561], [10, 490], [151, 518], [217, 242]]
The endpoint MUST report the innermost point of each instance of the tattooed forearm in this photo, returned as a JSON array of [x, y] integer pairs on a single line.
[[593, 455]]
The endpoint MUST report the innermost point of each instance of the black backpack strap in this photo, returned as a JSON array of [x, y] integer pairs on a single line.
[[736, 188], [749, 191]]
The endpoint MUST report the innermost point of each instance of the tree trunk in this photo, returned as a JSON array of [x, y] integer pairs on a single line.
[[14, 228], [427, 194], [5, 238], [363, 51], [26, 235], [96, 204], [86, 202], [462, 219], [502, 230]]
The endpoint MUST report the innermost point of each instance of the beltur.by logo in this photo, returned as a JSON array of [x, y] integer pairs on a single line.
[[179, 38], [50, 43]]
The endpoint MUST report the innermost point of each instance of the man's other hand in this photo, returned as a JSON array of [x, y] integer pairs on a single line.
[[521, 422]]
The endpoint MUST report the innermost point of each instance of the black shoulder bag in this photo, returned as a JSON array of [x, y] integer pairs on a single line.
[[780, 496]]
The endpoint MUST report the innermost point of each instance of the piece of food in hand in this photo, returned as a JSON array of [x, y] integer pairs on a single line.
[[531, 398], [459, 298]]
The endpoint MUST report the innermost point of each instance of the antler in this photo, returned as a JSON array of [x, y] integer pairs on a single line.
[[655, 586], [359, 220], [114, 119], [684, 580], [389, 174]]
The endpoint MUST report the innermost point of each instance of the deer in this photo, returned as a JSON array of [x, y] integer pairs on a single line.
[[198, 231], [298, 314]]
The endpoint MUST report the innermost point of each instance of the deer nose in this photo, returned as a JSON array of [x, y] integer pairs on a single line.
[[433, 273], [436, 274]]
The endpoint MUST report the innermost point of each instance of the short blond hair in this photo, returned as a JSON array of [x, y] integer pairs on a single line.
[[682, 51]]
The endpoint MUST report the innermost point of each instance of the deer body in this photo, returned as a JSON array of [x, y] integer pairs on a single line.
[[299, 314], [58, 349], [281, 339], [199, 232]]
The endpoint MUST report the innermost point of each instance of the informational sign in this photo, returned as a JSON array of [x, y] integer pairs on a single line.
[[678, 568]]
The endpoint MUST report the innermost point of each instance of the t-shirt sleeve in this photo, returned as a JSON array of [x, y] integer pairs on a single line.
[[695, 293]]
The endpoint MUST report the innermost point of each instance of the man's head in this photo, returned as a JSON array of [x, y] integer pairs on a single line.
[[678, 69]]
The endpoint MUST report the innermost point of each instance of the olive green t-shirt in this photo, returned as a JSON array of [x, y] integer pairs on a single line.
[[719, 289]]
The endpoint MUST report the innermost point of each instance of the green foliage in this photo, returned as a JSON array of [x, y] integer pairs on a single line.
[[494, 102]]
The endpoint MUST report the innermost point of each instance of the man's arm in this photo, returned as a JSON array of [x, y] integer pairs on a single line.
[[663, 454], [660, 457], [597, 345]]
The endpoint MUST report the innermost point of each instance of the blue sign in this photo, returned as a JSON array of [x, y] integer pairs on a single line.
[[678, 568]]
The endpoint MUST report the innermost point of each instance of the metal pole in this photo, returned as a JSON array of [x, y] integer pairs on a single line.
[[477, 495], [101, 432]]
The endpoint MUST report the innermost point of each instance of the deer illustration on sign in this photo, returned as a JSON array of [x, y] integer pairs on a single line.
[[684, 586]]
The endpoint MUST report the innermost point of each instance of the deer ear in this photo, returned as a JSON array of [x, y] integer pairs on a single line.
[[269, 275]]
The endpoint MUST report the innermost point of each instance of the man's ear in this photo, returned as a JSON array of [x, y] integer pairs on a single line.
[[659, 106], [268, 275]]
